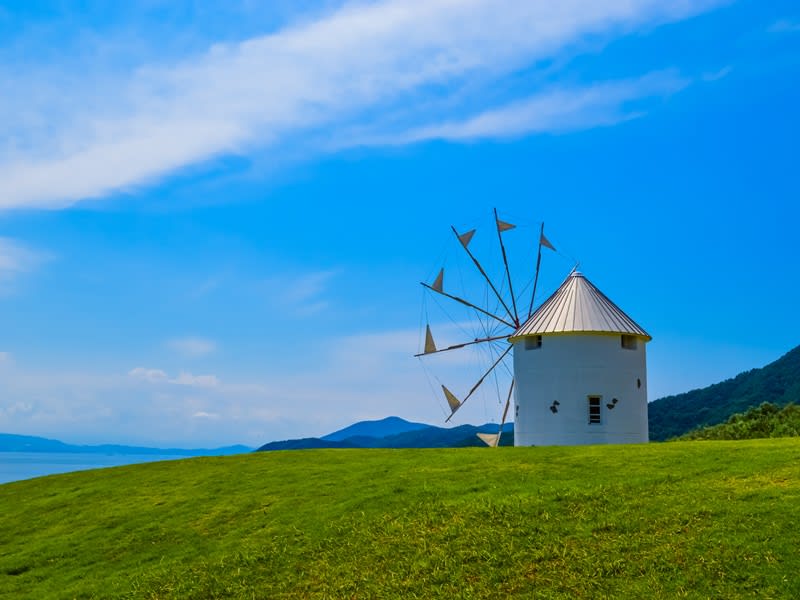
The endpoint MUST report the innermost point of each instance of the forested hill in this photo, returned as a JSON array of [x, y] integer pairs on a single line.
[[764, 421], [778, 383]]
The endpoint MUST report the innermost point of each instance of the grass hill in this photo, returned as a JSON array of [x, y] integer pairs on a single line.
[[696, 519], [765, 421], [777, 383]]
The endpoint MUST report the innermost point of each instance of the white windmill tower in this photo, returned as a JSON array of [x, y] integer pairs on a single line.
[[580, 369], [579, 362]]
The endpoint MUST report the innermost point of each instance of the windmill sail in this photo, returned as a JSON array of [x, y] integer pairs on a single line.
[[438, 284], [503, 226], [490, 439], [451, 400], [430, 346], [466, 238]]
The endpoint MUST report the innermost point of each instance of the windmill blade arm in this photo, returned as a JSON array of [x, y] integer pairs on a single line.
[[464, 344], [486, 277], [493, 439], [505, 412], [508, 404], [481, 380], [469, 304], [538, 266], [505, 263]]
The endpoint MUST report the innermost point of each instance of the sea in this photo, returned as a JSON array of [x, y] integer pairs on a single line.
[[15, 466]]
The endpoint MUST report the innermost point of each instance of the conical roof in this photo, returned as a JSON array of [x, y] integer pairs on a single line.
[[579, 307]]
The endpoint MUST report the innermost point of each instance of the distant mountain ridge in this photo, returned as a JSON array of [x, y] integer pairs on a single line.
[[376, 429], [28, 443], [777, 383], [409, 435]]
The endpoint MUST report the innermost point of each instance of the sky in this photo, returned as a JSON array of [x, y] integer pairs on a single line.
[[214, 219]]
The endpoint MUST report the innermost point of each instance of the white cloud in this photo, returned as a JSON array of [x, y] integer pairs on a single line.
[[149, 375], [192, 347], [205, 415], [355, 64], [157, 376], [203, 381]]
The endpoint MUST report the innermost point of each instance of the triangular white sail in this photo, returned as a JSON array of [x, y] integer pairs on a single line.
[[430, 346], [451, 400], [503, 226], [490, 439], [438, 284], [466, 238]]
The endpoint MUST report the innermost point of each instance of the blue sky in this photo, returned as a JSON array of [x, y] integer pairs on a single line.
[[213, 221]]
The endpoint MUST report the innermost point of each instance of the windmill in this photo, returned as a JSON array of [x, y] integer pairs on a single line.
[[579, 362], [507, 317]]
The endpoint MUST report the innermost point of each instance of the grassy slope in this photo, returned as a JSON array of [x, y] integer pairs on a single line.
[[695, 519]]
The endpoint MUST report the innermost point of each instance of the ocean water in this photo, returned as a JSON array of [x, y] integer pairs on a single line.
[[15, 466]]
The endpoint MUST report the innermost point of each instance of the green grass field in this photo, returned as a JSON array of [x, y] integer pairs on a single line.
[[693, 519]]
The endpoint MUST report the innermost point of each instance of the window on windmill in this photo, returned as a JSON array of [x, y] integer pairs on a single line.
[[532, 343], [594, 410], [629, 342]]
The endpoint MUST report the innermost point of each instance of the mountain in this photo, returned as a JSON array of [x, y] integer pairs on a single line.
[[440, 437], [374, 429], [421, 436], [28, 443], [306, 444], [777, 383]]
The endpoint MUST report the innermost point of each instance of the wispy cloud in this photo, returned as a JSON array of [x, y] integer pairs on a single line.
[[15, 260], [157, 376], [204, 381], [149, 375], [359, 62], [192, 347], [718, 74], [784, 26], [556, 110], [201, 414], [303, 294]]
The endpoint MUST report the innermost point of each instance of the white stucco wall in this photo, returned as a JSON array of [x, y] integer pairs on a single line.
[[570, 368]]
